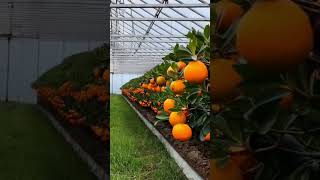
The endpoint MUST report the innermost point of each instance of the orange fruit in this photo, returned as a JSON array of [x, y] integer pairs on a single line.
[[171, 72], [227, 12], [163, 88], [283, 36], [177, 118], [229, 172], [158, 89], [161, 80], [106, 75], [181, 65], [96, 72], [195, 72], [181, 132], [186, 111], [177, 86], [207, 137], [224, 79], [168, 83], [287, 102], [150, 86], [152, 81], [168, 104], [215, 108]]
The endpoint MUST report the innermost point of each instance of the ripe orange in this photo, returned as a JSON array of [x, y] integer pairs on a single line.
[[106, 75], [168, 83], [158, 89], [287, 102], [224, 79], [181, 65], [229, 172], [152, 81], [207, 138], [195, 72], [186, 111], [150, 86], [181, 132], [227, 12], [163, 88], [282, 38], [96, 72], [177, 118], [177, 86], [171, 72], [215, 108], [161, 80], [168, 104]]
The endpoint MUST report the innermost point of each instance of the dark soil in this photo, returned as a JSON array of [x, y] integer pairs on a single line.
[[98, 150], [195, 152]]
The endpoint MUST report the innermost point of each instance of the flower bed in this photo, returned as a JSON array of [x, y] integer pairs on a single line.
[[76, 93]]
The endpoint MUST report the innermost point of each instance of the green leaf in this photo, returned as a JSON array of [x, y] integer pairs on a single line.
[[264, 114], [162, 117], [222, 124]]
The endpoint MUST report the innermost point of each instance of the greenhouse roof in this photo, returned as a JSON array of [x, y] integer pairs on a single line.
[[144, 31], [54, 19]]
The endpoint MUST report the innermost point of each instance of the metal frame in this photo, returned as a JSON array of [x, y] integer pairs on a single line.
[[144, 31]]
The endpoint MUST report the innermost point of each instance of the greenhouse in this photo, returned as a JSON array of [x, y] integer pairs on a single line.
[[152, 43], [49, 52]]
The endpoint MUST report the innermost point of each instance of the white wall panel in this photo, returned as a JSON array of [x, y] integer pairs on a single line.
[[117, 80], [3, 68], [26, 63], [23, 70]]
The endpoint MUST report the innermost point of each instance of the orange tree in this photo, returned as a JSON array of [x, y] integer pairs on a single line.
[[77, 90], [265, 90], [180, 84]]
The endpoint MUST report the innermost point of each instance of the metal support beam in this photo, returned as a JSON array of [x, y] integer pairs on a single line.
[[158, 19], [147, 36], [159, 5], [148, 41]]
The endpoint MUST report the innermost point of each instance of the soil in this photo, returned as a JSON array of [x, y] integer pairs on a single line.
[[195, 152], [98, 150]]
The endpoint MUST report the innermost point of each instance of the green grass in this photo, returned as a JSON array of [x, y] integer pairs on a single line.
[[135, 152], [31, 149]]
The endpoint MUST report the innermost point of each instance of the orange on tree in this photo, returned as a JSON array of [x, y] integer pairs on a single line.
[[286, 102], [106, 75], [96, 72], [168, 104], [158, 89], [171, 72], [161, 80], [283, 35], [178, 86], [229, 172], [215, 108], [152, 81], [228, 12], [181, 132], [181, 65], [207, 137], [224, 79], [185, 111], [168, 83], [163, 88], [195, 72], [177, 118]]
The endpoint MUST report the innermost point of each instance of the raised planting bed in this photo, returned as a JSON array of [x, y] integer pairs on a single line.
[[90, 149], [195, 154]]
